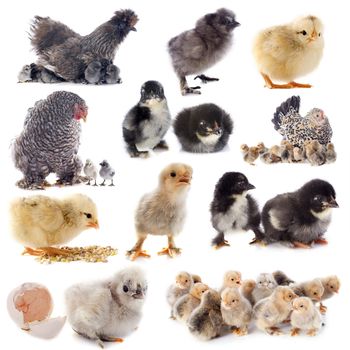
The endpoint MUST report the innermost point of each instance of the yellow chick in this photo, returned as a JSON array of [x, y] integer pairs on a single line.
[[272, 311], [305, 317], [43, 222], [236, 310], [331, 285], [232, 279], [162, 212], [286, 52]]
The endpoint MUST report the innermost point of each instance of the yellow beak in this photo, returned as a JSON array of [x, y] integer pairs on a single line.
[[93, 225]]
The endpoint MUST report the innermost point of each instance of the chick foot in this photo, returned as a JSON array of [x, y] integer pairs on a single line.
[[172, 252], [221, 244], [191, 90], [323, 308], [269, 84], [261, 242], [321, 241], [50, 251], [240, 331], [133, 254], [204, 79], [162, 145], [274, 331], [297, 244], [294, 332], [297, 85], [311, 332], [113, 340]]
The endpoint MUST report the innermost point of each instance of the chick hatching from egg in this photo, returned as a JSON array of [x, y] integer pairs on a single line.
[[205, 128], [184, 306], [106, 172], [331, 285], [146, 124], [305, 317], [206, 321], [107, 310], [270, 312], [286, 52], [162, 211], [40, 223], [90, 171], [236, 310]]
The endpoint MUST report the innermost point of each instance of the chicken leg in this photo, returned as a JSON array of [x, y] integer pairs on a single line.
[[290, 85], [50, 251], [323, 308], [172, 251], [240, 331], [274, 331], [204, 79], [294, 332], [137, 251], [321, 241], [219, 241], [297, 244], [186, 90]]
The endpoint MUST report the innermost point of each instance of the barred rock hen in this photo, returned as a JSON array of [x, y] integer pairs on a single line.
[[67, 54], [49, 141], [297, 129]]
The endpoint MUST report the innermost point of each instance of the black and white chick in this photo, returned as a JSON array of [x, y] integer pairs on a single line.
[[232, 208], [204, 128], [146, 124], [299, 218], [106, 172]]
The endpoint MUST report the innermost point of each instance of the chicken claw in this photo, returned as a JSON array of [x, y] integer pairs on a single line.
[[297, 244], [321, 241], [172, 252], [293, 84], [50, 251], [294, 332], [204, 79], [240, 331], [323, 309], [219, 245], [133, 254], [274, 331], [311, 332]]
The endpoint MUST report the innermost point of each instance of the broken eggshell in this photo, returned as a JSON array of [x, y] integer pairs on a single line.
[[30, 306]]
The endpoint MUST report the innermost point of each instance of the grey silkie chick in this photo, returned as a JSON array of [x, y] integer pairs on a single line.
[[112, 75], [106, 172], [107, 310], [185, 305], [34, 73], [90, 171], [315, 152], [94, 72], [265, 285], [281, 278], [200, 48], [49, 141], [236, 310], [206, 321], [331, 155]]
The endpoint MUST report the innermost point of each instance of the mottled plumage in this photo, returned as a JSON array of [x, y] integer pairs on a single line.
[[297, 129], [49, 141]]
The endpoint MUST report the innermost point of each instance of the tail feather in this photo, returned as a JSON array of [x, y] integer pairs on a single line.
[[291, 103], [282, 279]]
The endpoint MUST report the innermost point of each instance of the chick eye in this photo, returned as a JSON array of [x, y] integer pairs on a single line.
[[315, 293], [186, 281], [125, 289], [201, 123], [232, 279], [173, 174], [88, 215], [301, 305], [304, 32], [331, 287], [319, 34], [290, 295]]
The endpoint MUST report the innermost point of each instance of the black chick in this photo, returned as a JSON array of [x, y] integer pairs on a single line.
[[199, 48], [301, 217], [146, 124], [232, 208], [203, 129]]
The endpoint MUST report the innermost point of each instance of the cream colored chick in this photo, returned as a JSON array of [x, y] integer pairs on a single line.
[[250, 154], [286, 52], [183, 284], [331, 285], [311, 289], [236, 310], [298, 154], [273, 155], [43, 222], [186, 304], [305, 317], [232, 279], [247, 289], [261, 148], [162, 212], [272, 311], [331, 154], [314, 152]]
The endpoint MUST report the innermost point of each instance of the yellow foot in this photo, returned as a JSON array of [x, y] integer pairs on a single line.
[[294, 332], [258, 241], [170, 251], [274, 331], [297, 244], [323, 309], [321, 241], [224, 243], [133, 254], [50, 251], [293, 84], [240, 331], [311, 332]]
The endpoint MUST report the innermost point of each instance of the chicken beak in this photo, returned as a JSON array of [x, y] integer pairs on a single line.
[[313, 36], [332, 204], [133, 29], [184, 180], [94, 225], [250, 187]]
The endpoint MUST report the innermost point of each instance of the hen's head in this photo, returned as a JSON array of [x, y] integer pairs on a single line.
[[67, 105], [124, 21], [317, 117], [223, 20]]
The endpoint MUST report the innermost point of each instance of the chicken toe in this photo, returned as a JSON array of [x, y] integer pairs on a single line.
[[204, 79], [294, 332]]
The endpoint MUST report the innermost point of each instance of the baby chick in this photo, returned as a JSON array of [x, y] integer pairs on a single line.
[[311, 289], [250, 154], [272, 155], [112, 75], [94, 72], [305, 317], [236, 310], [298, 154], [206, 321], [232, 279], [331, 285], [275, 309], [247, 289], [281, 278], [106, 172], [162, 212], [315, 152], [261, 148], [107, 310], [183, 284], [90, 171], [42, 222], [184, 306], [331, 155], [204, 128], [263, 287], [286, 52], [287, 154], [301, 217], [232, 208]]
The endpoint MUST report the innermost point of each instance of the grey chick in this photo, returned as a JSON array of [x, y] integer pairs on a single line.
[[315, 152], [112, 75], [35, 73], [90, 171], [94, 72], [265, 285], [272, 311], [25, 74], [305, 317], [236, 310], [106, 172], [107, 310], [200, 48], [312, 289], [331, 155], [206, 321], [184, 306], [281, 278]]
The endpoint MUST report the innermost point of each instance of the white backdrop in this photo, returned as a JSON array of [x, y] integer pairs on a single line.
[[143, 56]]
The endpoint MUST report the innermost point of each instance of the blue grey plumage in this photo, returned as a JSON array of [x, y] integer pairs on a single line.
[[106, 172], [49, 141]]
